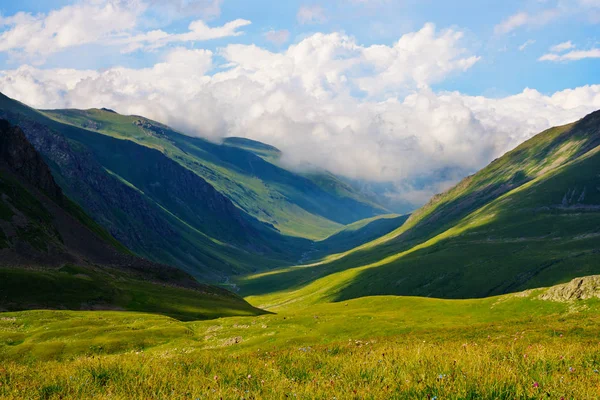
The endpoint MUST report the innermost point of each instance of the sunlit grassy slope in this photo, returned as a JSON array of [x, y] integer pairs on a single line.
[[514, 346], [530, 219], [244, 170]]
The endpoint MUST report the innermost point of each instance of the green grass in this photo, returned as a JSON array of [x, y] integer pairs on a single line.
[[381, 347]]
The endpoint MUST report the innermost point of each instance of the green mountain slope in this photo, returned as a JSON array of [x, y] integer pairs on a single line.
[[356, 234], [152, 204], [529, 219], [52, 255], [325, 180], [243, 170]]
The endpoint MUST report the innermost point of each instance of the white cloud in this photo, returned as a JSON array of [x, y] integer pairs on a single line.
[[562, 47], [198, 31], [302, 101], [107, 22], [522, 19], [557, 53], [82, 23], [512, 22], [560, 9], [278, 37], [571, 55], [526, 44], [422, 57], [311, 15]]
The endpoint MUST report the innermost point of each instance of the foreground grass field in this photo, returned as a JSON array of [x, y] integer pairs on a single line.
[[515, 346]]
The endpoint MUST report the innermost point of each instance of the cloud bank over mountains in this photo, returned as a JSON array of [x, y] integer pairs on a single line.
[[363, 111]]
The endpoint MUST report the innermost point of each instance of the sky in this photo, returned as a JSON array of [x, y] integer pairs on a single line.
[[411, 94]]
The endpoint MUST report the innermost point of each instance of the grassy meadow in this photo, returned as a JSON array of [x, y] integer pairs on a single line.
[[513, 346]]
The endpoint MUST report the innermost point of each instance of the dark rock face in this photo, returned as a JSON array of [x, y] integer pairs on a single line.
[[22, 158], [99, 193]]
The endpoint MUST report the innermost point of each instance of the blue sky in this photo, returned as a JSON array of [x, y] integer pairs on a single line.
[[393, 91], [504, 69]]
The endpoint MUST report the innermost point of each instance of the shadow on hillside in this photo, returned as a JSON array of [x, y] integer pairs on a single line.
[[94, 289]]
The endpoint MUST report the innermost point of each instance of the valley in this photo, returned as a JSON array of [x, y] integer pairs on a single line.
[[298, 200], [490, 290]]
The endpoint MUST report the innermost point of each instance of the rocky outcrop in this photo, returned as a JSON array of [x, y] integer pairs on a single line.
[[22, 158], [578, 289]]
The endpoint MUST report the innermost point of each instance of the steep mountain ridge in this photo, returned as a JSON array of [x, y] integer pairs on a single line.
[[17, 153], [156, 207]]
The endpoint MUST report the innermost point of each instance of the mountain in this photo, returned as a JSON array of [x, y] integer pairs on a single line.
[[213, 210], [529, 219], [152, 204], [52, 255], [245, 171]]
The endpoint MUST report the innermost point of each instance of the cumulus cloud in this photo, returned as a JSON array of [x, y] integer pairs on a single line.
[[82, 23], [107, 22], [303, 100], [421, 57]]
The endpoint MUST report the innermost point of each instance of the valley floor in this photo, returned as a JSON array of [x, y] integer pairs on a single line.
[[513, 346]]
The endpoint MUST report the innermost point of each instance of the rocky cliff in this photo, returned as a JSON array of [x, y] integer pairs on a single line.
[[22, 158]]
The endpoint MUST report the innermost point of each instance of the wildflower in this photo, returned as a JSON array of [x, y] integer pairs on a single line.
[[249, 376], [536, 385]]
